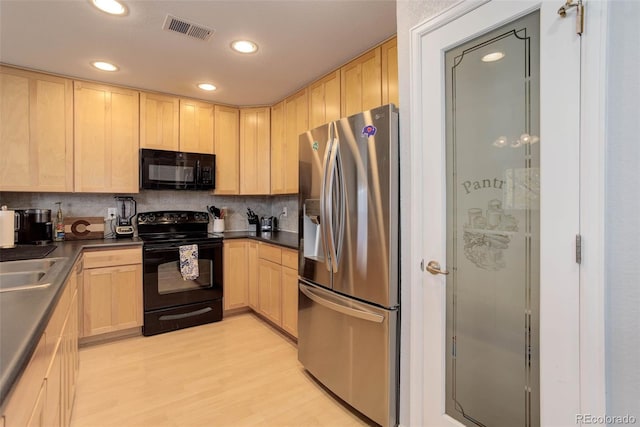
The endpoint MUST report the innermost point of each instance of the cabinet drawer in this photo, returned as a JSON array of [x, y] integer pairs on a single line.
[[106, 258], [290, 259], [271, 253]]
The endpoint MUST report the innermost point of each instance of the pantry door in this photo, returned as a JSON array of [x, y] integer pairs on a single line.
[[498, 123]]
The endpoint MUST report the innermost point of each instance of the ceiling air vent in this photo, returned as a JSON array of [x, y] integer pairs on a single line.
[[182, 26]]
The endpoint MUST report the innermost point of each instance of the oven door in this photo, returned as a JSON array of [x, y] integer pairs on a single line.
[[163, 284]]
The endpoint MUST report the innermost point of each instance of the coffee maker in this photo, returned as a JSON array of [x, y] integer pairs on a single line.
[[33, 226], [126, 208]]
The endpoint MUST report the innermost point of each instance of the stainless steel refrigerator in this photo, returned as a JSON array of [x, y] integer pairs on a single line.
[[348, 310]]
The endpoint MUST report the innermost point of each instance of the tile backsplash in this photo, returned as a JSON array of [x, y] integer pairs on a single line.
[[148, 200]]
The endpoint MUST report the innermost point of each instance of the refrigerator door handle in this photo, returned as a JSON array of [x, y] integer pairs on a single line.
[[324, 218], [349, 311], [341, 205], [329, 202]]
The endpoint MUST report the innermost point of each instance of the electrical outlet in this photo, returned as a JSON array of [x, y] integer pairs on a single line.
[[111, 213], [284, 211]]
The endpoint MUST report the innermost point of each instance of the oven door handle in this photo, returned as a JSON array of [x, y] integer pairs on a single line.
[[185, 315], [151, 249]]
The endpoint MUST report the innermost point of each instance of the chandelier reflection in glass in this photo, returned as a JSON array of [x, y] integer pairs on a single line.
[[524, 139]]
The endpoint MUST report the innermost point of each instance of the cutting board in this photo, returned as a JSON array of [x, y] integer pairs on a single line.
[[85, 227]]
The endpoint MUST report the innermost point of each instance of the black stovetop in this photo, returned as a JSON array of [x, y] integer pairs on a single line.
[[179, 227]]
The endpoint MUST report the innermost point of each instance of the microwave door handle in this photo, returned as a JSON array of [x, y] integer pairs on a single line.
[[197, 178]]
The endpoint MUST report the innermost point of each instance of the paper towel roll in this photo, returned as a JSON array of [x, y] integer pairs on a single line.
[[7, 220]]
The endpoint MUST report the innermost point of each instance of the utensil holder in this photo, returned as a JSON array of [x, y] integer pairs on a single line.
[[218, 225]]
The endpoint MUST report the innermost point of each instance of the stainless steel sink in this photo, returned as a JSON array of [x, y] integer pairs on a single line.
[[29, 274]]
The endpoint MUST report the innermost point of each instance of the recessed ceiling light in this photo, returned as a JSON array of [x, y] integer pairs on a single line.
[[207, 86], [493, 56], [244, 46], [104, 66], [112, 7]]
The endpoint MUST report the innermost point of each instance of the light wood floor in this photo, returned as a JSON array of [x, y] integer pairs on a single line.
[[238, 372]]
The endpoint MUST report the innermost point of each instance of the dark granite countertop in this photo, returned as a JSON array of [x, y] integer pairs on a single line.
[[286, 239], [24, 314]]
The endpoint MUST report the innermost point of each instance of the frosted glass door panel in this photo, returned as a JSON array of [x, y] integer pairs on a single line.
[[493, 227]]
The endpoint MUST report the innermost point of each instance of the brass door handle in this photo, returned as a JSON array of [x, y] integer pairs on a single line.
[[434, 268]]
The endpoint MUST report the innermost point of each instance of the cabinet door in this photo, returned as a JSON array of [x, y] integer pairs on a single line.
[[389, 53], [252, 264], [159, 121], [53, 403], [290, 300], [106, 138], [112, 299], [235, 274], [24, 398], [196, 126], [296, 110], [37, 418], [277, 148], [270, 291], [361, 83], [324, 100], [70, 361], [36, 135], [227, 150], [255, 147]]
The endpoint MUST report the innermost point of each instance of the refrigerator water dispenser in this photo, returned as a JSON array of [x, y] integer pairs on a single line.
[[311, 223]]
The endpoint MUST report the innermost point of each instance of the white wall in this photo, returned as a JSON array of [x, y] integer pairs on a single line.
[[622, 230]]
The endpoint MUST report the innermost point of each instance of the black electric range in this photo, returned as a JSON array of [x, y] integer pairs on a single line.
[[170, 301]]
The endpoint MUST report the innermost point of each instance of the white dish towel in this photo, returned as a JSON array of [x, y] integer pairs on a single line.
[[189, 262]]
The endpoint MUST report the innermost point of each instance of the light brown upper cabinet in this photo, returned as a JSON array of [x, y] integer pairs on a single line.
[[389, 53], [296, 121], [36, 132], [159, 122], [361, 83], [196, 126], [324, 100], [277, 148], [106, 138], [227, 150], [255, 148]]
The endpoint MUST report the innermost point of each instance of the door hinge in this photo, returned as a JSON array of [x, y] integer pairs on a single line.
[[578, 249], [579, 14]]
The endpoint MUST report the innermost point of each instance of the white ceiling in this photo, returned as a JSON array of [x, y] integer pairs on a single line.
[[298, 42]]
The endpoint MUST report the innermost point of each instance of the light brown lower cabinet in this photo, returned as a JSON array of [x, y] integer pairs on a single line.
[[290, 300], [112, 291], [263, 277], [45, 393], [270, 290], [235, 274], [278, 286], [252, 264], [37, 418]]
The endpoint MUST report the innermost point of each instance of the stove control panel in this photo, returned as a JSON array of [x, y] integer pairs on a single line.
[[173, 217]]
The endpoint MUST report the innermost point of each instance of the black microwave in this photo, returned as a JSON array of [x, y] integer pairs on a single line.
[[175, 170]]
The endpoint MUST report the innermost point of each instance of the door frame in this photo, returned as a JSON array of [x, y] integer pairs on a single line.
[[591, 214]]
